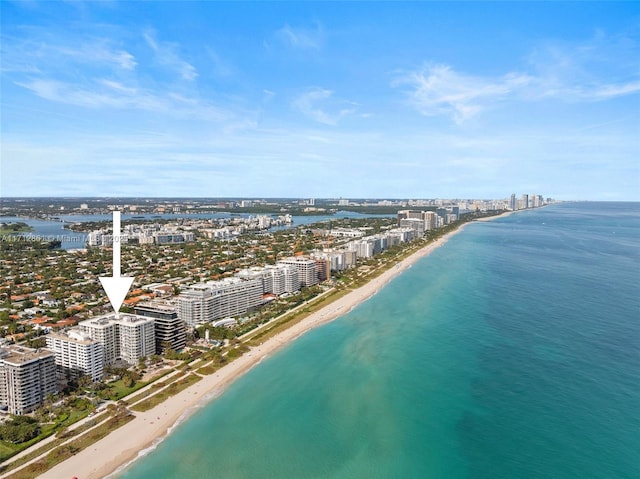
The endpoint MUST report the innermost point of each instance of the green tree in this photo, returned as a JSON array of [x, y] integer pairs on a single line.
[[19, 429]]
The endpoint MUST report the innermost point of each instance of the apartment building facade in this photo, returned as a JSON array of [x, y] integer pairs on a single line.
[[126, 337], [27, 376], [206, 302], [306, 268], [76, 353], [170, 330]]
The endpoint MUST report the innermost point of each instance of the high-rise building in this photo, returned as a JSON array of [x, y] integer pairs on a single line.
[[264, 275], [306, 269], [127, 337], [27, 376], [76, 353], [430, 220], [524, 201], [513, 203], [413, 223], [169, 329], [363, 248], [537, 200], [195, 305], [323, 269], [409, 214], [137, 337], [103, 330], [206, 302]]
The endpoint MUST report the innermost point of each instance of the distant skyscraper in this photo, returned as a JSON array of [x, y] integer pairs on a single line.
[[409, 214], [513, 203], [442, 213], [525, 201], [430, 220]]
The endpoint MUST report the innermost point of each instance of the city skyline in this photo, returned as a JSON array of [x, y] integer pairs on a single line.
[[376, 100]]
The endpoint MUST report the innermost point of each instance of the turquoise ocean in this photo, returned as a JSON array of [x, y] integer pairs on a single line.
[[511, 352]]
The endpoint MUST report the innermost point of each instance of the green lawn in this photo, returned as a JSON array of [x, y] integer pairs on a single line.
[[7, 450]]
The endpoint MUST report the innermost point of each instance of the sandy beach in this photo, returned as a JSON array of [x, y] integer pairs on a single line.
[[146, 429]]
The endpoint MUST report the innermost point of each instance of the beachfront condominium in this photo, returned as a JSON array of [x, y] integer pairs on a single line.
[[170, 331], [206, 302], [338, 260], [414, 223], [76, 354], [422, 221], [363, 248], [126, 338], [195, 305], [306, 268], [276, 279], [27, 376]]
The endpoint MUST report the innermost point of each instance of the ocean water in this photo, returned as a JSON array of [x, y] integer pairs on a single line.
[[511, 352]]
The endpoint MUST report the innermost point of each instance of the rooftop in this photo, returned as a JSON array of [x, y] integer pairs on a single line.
[[124, 318], [18, 355]]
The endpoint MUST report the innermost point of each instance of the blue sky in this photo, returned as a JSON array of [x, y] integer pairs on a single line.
[[374, 100]]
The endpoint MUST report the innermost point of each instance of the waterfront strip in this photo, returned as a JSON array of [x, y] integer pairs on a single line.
[[147, 428]]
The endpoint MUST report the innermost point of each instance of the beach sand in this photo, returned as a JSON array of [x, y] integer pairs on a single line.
[[126, 443]]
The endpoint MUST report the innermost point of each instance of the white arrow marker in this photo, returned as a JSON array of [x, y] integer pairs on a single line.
[[116, 286]]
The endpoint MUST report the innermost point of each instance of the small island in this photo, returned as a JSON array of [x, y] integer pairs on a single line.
[[14, 228]]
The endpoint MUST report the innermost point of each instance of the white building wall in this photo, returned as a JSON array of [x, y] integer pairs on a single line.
[[80, 354], [206, 302], [128, 337], [103, 331], [306, 268], [291, 279], [27, 376], [137, 338]]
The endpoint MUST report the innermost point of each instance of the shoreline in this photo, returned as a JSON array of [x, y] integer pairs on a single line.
[[142, 434]]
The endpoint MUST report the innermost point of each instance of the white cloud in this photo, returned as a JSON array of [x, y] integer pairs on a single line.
[[167, 54], [267, 162], [302, 38], [604, 92], [41, 53], [267, 94], [119, 87], [597, 69], [308, 104], [438, 89], [221, 68], [105, 93]]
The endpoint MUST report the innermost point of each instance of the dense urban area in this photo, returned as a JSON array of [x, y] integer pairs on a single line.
[[212, 278]]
